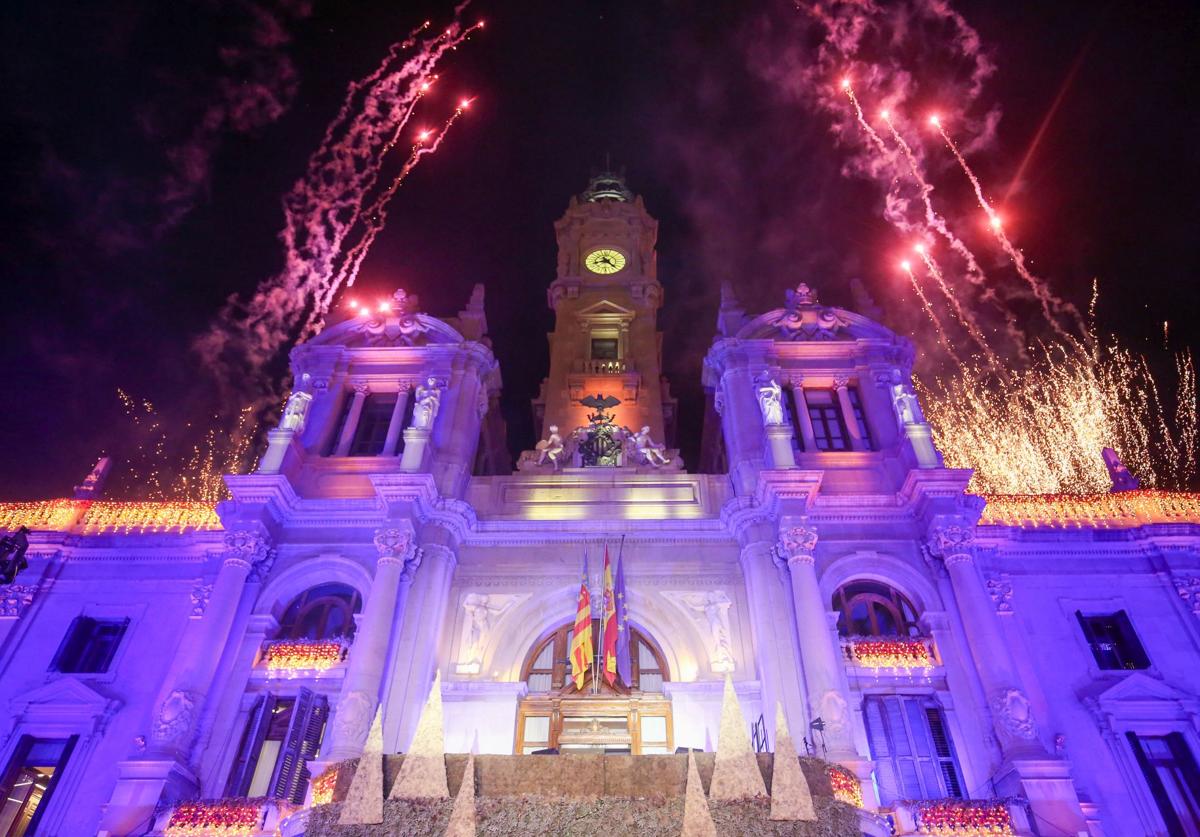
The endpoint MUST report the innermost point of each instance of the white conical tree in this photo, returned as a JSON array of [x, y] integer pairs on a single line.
[[697, 819], [736, 774], [363, 804], [423, 774], [462, 818], [790, 797]]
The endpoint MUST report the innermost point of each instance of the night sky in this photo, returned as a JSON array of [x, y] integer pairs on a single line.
[[113, 261]]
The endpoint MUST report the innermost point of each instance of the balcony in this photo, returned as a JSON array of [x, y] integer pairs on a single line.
[[302, 657], [965, 817], [231, 817], [891, 654]]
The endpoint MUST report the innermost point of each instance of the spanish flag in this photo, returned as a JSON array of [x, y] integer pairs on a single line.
[[609, 623], [581, 641]]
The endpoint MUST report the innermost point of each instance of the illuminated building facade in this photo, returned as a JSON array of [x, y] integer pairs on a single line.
[[1040, 651]]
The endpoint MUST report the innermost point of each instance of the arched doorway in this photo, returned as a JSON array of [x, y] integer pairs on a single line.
[[599, 718]]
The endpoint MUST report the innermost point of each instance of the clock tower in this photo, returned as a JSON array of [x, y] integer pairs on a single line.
[[605, 298]]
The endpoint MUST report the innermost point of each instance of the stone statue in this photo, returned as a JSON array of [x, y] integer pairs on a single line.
[[1122, 479], [645, 449], [295, 413], [428, 398], [550, 448], [770, 401], [908, 408]]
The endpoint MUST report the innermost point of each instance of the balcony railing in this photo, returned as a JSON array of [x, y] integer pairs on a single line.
[[961, 817], [602, 367], [227, 817], [302, 657], [900, 654]]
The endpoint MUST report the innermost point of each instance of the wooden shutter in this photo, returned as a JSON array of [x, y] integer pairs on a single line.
[[944, 752], [881, 750], [301, 743], [1133, 655], [68, 650], [106, 640], [1090, 636], [252, 741]]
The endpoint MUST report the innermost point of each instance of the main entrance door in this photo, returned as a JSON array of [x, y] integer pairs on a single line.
[[599, 718]]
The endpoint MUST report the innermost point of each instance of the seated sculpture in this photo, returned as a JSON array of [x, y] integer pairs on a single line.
[[550, 448], [645, 450]]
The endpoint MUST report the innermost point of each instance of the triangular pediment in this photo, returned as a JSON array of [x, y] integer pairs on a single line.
[[606, 308], [62, 693], [1138, 688]]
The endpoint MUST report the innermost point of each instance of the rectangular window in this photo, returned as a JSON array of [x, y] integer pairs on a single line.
[[1170, 770], [89, 645], [828, 430], [29, 782], [372, 428], [604, 348], [1113, 641], [914, 758], [281, 735], [860, 418]]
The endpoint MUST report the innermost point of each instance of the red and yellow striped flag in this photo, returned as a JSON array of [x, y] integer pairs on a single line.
[[581, 642], [608, 623]]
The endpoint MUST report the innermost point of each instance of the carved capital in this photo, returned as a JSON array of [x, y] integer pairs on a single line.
[[841, 381], [246, 548], [952, 540], [361, 387], [394, 545], [796, 544], [1188, 588]]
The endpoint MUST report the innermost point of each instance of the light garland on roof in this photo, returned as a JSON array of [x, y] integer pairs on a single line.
[[216, 818], [293, 656], [891, 652], [845, 786], [106, 516], [1121, 510], [963, 818]]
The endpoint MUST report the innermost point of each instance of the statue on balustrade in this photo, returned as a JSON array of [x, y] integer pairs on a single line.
[[295, 413], [643, 450], [551, 448], [770, 400], [428, 398]]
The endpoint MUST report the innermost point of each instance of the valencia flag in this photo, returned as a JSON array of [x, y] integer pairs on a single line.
[[581, 641], [609, 624]]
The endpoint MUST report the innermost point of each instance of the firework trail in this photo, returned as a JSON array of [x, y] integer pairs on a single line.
[[963, 316], [1051, 305], [906, 266], [375, 216], [936, 222], [862, 120], [332, 214]]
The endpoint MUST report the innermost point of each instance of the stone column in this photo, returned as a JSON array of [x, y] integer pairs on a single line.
[[842, 384], [415, 659], [361, 389], [952, 540], [774, 649], [174, 726], [398, 561], [820, 658], [807, 434], [397, 421]]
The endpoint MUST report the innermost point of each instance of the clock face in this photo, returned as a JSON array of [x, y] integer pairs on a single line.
[[604, 261]]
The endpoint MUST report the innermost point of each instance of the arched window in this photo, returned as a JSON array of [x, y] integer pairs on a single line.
[[871, 608], [547, 669], [599, 718], [322, 612]]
